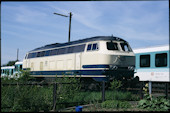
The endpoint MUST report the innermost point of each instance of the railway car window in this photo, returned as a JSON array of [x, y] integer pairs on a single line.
[[95, 46], [16, 68], [89, 47], [145, 61], [161, 60], [12, 72], [20, 67], [125, 47], [112, 46]]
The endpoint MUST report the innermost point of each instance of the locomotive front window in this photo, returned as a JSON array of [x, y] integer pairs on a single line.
[[125, 47], [112, 46]]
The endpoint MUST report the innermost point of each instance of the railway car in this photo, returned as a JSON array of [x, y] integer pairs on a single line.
[[152, 64], [7, 71], [18, 68], [96, 57], [12, 71]]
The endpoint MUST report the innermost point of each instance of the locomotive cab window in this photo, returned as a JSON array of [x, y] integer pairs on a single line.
[[95, 46], [145, 61], [89, 47], [161, 60], [112, 46], [125, 47]]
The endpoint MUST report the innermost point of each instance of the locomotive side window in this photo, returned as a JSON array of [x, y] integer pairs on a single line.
[[92, 47], [61, 51], [112, 46], [47, 53], [161, 60], [145, 61], [40, 54], [73, 49], [79, 48], [70, 49], [32, 55], [53, 52]]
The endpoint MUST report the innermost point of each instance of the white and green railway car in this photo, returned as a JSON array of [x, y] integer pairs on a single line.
[[89, 58], [7, 71], [11, 71], [152, 64]]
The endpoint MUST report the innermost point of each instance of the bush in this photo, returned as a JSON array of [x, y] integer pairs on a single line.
[[67, 89], [153, 103], [115, 104], [26, 98]]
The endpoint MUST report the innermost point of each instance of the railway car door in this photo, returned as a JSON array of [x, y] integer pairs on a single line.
[[78, 61]]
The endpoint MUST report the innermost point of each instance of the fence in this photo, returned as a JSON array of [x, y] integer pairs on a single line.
[[59, 95], [155, 88]]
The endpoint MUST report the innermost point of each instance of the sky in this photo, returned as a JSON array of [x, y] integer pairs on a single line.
[[28, 25]]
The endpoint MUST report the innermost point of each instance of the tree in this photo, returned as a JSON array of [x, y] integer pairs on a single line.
[[10, 63]]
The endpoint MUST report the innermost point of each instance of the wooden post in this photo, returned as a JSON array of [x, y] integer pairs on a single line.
[[141, 89], [54, 96], [166, 90], [103, 91]]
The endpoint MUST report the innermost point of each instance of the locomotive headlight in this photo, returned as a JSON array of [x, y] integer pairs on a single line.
[[113, 67], [131, 68]]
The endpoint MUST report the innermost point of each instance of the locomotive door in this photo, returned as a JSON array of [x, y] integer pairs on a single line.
[[78, 61]]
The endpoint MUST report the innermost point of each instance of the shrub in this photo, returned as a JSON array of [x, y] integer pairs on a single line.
[[153, 103], [115, 104]]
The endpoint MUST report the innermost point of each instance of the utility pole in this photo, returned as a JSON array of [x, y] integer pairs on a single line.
[[17, 54], [69, 27], [69, 23]]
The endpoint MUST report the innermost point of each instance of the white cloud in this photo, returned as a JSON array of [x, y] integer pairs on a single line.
[[27, 15], [84, 13]]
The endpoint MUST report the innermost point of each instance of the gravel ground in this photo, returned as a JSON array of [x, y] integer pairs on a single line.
[[97, 108]]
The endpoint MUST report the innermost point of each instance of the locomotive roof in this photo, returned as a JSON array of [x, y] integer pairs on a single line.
[[113, 38]]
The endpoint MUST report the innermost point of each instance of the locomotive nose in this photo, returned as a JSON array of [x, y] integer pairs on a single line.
[[122, 58]]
